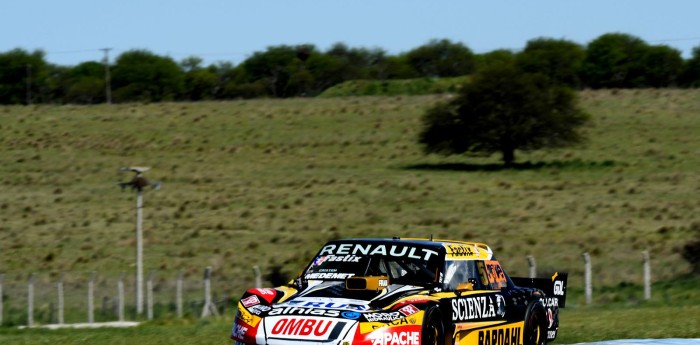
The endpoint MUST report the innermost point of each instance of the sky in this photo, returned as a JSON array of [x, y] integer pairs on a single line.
[[75, 31]]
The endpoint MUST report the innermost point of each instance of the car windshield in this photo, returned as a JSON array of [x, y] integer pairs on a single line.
[[402, 264]]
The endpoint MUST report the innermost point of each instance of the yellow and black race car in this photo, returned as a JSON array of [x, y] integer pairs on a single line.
[[403, 292]]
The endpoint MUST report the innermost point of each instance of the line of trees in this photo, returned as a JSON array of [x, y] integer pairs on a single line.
[[614, 60]]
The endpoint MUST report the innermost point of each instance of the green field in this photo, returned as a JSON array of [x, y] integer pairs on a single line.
[[268, 181]]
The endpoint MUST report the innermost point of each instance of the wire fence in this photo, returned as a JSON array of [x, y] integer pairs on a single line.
[[51, 298], [86, 297]]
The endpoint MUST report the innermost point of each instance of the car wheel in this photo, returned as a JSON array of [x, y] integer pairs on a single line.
[[433, 329], [535, 332]]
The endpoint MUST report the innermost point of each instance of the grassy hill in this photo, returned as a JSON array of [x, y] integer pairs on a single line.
[[268, 181]]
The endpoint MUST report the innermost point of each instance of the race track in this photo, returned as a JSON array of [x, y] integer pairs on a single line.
[[669, 341]]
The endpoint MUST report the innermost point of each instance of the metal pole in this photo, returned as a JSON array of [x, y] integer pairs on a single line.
[[91, 298], [30, 301], [178, 287], [209, 308], [533, 266], [120, 293], [139, 253], [588, 287], [149, 295], [647, 275], [108, 82], [60, 299], [258, 276]]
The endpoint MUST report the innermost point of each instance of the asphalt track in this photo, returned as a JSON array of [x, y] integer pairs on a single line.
[[668, 341]]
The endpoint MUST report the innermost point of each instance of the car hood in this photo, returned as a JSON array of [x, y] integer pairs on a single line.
[[333, 295], [323, 313]]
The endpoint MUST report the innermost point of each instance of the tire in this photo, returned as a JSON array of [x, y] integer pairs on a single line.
[[535, 328], [433, 330]]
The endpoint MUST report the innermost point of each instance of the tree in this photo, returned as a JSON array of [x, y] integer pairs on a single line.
[[441, 58], [502, 110], [22, 76], [614, 61], [200, 83], [663, 66], [493, 58], [690, 77], [560, 60], [142, 75], [83, 84]]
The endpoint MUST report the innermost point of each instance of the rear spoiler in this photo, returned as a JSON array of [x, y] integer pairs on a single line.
[[553, 288]]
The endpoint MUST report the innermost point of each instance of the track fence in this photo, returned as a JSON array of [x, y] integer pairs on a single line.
[[49, 298]]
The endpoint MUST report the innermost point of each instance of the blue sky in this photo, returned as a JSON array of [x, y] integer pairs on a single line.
[[73, 31]]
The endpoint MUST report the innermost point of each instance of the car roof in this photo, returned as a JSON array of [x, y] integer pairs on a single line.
[[457, 250]]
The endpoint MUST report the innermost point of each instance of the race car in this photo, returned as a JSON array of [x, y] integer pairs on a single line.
[[403, 292]]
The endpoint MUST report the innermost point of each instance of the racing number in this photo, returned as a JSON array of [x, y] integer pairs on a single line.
[[482, 273]]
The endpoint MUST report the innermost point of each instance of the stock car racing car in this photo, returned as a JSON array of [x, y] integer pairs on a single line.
[[403, 292]]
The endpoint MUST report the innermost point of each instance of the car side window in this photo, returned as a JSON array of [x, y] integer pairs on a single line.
[[491, 274], [459, 272]]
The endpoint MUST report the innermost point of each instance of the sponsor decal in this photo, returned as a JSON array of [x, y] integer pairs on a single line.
[[351, 315], [478, 307], [319, 260], [399, 324], [250, 301], [390, 337], [559, 288], [378, 249], [303, 311], [319, 276], [259, 309], [247, 317], [238, 331], [346, 258], [496, 275], [305, 328], [550, 317], [408, 310], [265, 292], [550, 302], [459, 250], [328, 305], [382, 317], [500, 336]]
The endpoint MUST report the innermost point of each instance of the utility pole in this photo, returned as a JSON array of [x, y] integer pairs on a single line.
[[108, 82], [138, 183]]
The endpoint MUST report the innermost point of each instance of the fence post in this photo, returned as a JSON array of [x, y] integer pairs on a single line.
[[209, 307], [178, 293], [30, 301], [647, 275], [588, 288], [91, 298], [120, 296], [533, 266], [59, 286], [149, 296], [258, 276], [1, 301]]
